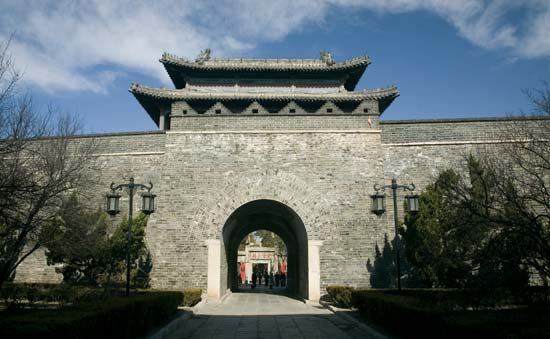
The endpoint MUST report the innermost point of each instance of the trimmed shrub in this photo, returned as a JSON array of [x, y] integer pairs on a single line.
[[14, 294], [341, 295], [118, 317], [426, 313], [191, 296], [389, 310]]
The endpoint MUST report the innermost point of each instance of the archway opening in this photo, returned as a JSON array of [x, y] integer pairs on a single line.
[[272, 216]]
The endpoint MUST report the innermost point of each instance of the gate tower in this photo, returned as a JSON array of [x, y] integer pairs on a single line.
[[286, 145]]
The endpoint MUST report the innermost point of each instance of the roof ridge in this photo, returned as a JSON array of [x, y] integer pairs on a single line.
[[265, 59], [212, 62]]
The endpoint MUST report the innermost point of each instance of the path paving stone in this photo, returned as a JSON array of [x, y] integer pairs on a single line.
[[259, 315]]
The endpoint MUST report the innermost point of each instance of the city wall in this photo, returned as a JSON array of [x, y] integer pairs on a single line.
[[324, 168]]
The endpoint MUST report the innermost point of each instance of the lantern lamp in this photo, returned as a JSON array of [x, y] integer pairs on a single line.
[[413, 203], [378, 205], [147, 202], [111, 201]]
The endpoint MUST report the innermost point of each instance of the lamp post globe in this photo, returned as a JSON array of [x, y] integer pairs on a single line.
[[112, 203], [378, 203], [413, 203], [148, 202]]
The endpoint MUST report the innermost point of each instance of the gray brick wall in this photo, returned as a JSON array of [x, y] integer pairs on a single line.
[[272, 122], [452, 130], [323, 167]]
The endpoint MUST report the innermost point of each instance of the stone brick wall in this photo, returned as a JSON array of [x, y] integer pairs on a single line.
[[323, 167], [136, 143], [451, 131], [35, 269], [321, 176], [272, 123], [118, 156]]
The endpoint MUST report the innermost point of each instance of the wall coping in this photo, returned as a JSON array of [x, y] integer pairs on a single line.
[[458, 120], [98, 135], [116, 134]]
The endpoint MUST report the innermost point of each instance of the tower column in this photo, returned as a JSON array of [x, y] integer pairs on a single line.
[[161, 122]]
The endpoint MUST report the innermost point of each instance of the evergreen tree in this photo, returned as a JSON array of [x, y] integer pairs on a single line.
[[80, 242], [456, 238], [78, 239]]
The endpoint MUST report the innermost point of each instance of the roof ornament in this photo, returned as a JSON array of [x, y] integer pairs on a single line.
[[203, 56], [327, 57]]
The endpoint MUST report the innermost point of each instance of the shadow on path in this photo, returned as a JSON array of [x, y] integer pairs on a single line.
[[267, 315]]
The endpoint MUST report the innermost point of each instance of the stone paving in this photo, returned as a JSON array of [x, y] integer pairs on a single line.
[[261, 315]]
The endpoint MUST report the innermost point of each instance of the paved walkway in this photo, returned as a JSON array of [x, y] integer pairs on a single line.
[[259, 315]]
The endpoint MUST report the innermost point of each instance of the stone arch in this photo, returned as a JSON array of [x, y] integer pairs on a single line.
[[280, 219], [310, 204], [307, 202]]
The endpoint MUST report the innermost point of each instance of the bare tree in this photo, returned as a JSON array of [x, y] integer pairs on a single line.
[[40, 162], [521, 207], [526, 165], [496, 215]]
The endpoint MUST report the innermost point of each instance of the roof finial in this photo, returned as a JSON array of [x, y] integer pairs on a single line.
[[327, 57], [203, 56]]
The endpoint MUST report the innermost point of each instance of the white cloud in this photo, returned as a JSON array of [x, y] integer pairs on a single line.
[[84, 45], [68, 45]]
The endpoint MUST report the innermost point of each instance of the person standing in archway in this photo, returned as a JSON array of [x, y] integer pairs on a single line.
[[243, 272], [254, 279]]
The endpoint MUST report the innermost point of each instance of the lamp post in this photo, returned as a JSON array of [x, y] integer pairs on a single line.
[[378, 207], [147, 207]]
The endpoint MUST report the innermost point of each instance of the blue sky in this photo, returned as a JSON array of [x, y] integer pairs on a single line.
[[449, 58]]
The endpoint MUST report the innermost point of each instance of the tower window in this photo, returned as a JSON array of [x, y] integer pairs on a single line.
[[254, 110], [329, 110], [218, 111], [292, 110], [365, 110], [184, 111]]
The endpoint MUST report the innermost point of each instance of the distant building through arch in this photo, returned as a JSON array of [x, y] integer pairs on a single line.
[[254, 256]]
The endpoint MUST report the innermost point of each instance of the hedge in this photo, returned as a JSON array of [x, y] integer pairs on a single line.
[[413, 313], [462, 299], [191, 296], [118, 317], [401, 315], [341, 295], [15, 293]]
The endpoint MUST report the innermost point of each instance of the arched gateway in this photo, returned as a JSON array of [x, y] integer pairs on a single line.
[[279, 219]]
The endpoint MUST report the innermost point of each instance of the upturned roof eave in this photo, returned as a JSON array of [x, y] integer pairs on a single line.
[[149, 106], [152, 98], [180, 94]]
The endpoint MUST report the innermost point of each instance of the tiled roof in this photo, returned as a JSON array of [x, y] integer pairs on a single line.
[[350, 71], [184, 94]]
